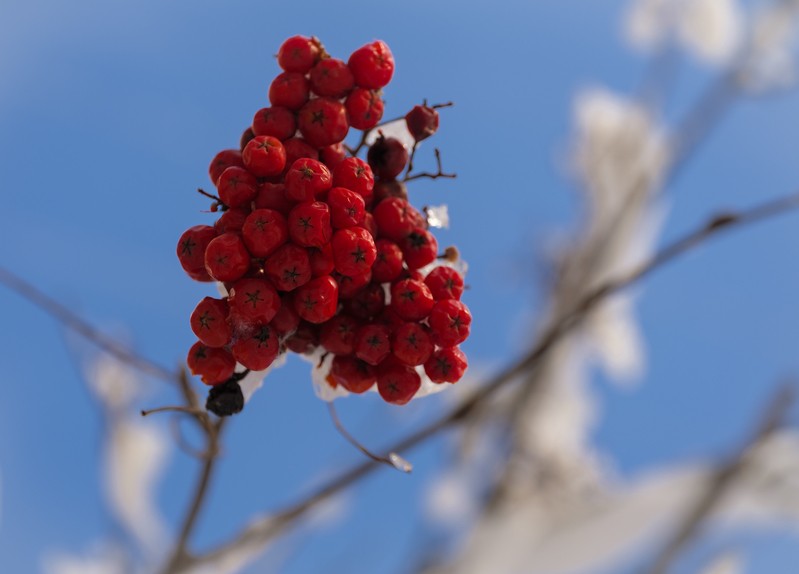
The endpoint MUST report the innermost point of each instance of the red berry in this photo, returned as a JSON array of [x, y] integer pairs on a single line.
[[364, 108], [369, 224], [298, 54], [305, 339], [253, 301], [369, 302], [237, 187], [397, 383], [411, 299], [389, 188], [232, 220], [289, 267], [245, 138], [396, 218], [332, 78], [347, 208], [372, 65], [264, 231], [444, 283], [354, 251], [356, 175], [373, 343], [321, 260], [209, 322], [226, 258], [338, 334], [317, 300], [272, 196], [212, 365], [332, 155], [387, 157], [223, 160], [353, 374], [349, 287], [286, 320], [422, 122], [388, 264], [450, 322], [191, 251], [264, 156], [309, 224], [323, 122], [411, 344], [289, 90], [419, 248], [257, 349], [307, 178], [297, 148], [446, 365], [276, 121]]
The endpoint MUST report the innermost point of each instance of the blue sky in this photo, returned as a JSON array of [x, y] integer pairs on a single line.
[[109, 115]]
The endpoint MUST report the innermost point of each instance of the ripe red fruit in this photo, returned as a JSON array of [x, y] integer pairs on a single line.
[[354, 174], [226, 257], [323, 121], [332, 155], [338, 334], [286, 320], [353, 374], [309, 224], [411, 344], [212, 365], [388, 264], [368, 303], [275, 121], [299, 54], [297, 148], [446, 365], [304, 340], [245, 138], [419, 248], [397, 383], [232, 220], [387, 157], [253, 301], [289, 267], [289, 90], [373, 343], [263, 231], [191, 251], [349, 287], [364, 108], [307, 178], [223, 160], [237, 187], [396, 218], [209, 322], [444, 283], [389, 188], [321, 260], [332, 78], [272, 196], [372, 65], [257, 349], [411, 299], [354, 251], [317, 300], [422, 122], [347, 208], [264, 156], [450, 322]]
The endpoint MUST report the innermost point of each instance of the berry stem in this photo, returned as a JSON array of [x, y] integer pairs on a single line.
[[439, 172]]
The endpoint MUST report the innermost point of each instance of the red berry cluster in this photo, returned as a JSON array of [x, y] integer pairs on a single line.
[[318, 248]]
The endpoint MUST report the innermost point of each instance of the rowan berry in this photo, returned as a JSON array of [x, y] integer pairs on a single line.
[[299, 54], [253, 301], [364, 108], [263, 231], [209, 322], [397, 383], [225, 399], [323, 122], [304, 340], [245, 138], [372, 343], [317, 300], [321, 260], [191, 251], [387, 157], [419, 248], [389, 188], [258, 349], [350, 286], [354, 250], [368, 303], [411, 344], [227, 258], [354, 174], [286, 320], [411, 299], [288, 267], [232, 220], [450, 322], [309, 224], [444, 283], [446, 365], [272, 196], [333, 155], [264, 156], [213, 365], [332, 78], [388, 264], [274, 121], [307, 178], [372, 65], [395, 218], [347, 208], [338, 334], [237, 187], [289, 90], [297, 148], [353, 374], [422, 122], [223, 160]]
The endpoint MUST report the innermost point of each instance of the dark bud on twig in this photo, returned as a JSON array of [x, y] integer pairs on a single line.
[[422, 122], [387, 157], [225, 399]]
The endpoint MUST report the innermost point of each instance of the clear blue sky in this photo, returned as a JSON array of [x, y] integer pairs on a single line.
[[109, 115]]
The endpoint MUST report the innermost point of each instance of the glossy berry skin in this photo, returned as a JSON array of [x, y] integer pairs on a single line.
[[289, 90], [237, 187], [298, 54], [212, 365], [347, 208], [373, 343], [355, 174], [264, 156], [309, 224], [307, 178], [385, 188], [368, 303], [317, 300], [232, 220], [450, 322], [388, 264], [387, 157], [253, 301], [411, 344], [209, 322], [395, 218], [338, 334], [297, 148], [397, 383], [332, 78], [333, 155], [323, 122], [444, 283], [226, 258], [354, 251], [372, 65], [353, 374], [274, 121], [257, 349], [191, 251], [411, 299], [287, 320], [245, 138], [446, 365], [321, 260], [273, 196], [304, 340], [223, 160], [288, 267], [350, 286], [422, 122], [419, 248], [364, 108], [263, 231]]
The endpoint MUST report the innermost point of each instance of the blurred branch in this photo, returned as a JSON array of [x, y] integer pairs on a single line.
[[723, 479], [74, 322], [261, 531]]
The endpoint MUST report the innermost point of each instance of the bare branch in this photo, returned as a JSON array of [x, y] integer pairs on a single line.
[[439, 171]]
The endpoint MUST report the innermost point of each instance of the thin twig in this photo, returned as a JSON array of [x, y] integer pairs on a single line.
[[174, 409], [263, 530], [75, 323], [439, 172]]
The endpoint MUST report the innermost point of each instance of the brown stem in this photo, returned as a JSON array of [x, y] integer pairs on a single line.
[[439, 171]]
